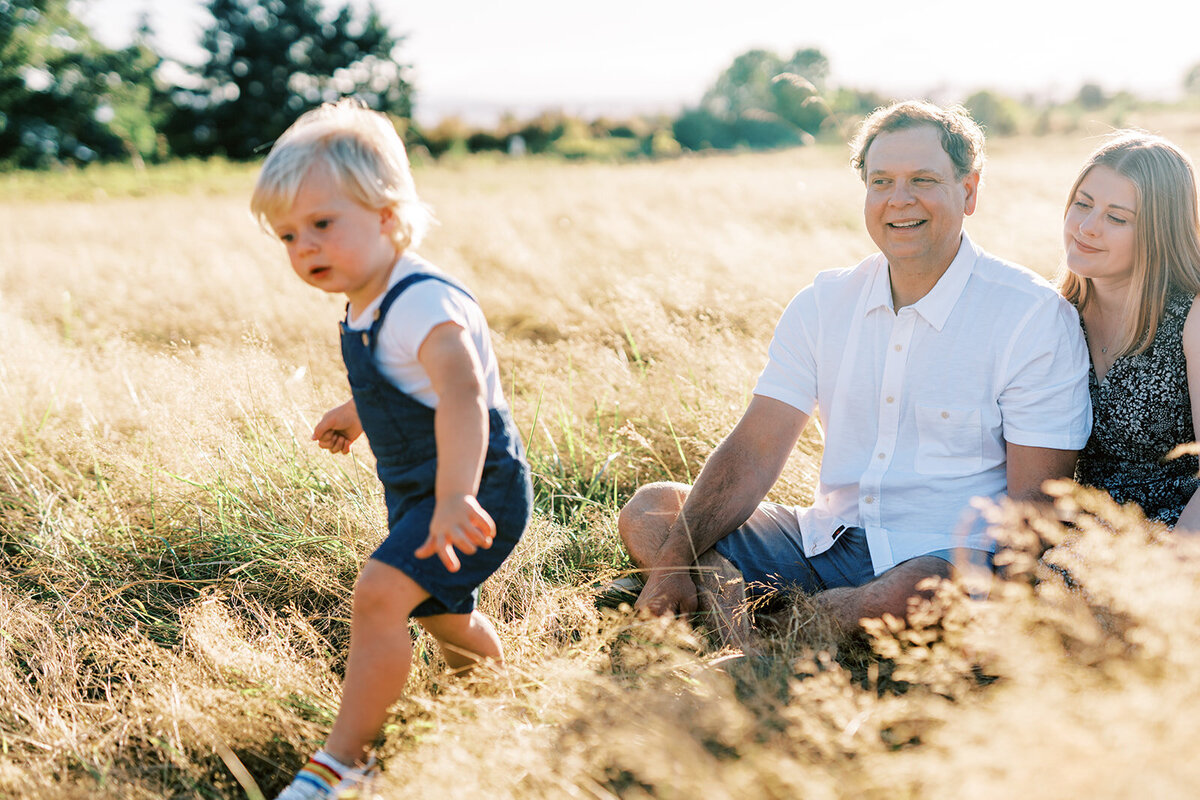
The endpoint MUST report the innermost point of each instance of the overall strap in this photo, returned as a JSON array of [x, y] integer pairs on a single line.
[[371, 336], [402, 285]]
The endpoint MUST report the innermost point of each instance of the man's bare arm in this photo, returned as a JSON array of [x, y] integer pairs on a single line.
[[1030, 467]]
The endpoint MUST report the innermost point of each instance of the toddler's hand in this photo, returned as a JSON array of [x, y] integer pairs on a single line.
[[458, 521], [338, 429]]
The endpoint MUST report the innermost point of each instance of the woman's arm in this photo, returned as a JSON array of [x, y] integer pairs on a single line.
[[1189, 520]]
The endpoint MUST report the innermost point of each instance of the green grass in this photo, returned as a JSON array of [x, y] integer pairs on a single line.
[[98, 182]]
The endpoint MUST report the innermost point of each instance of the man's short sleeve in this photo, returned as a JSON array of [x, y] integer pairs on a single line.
[[1045, 400], [790, 375]]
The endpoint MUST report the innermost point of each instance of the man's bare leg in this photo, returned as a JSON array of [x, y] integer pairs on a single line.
[[890, 593], [643, 524], [645, 520]]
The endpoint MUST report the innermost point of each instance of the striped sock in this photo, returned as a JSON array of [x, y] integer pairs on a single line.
[[323, 771]]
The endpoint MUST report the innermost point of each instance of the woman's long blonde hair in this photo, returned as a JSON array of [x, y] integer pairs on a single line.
[[1166, 232]]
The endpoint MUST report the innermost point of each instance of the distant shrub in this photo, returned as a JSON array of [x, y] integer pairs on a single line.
[[663, 145], [700, 129], [486, 141], [1091, 96], [444, 137], [542, 131], [1044, 124], [763, 129], [856, 102], [622, 129], [622, 132], [605, 149], [996, 113]]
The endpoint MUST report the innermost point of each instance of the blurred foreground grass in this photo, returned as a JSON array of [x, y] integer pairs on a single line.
[[176, 558]]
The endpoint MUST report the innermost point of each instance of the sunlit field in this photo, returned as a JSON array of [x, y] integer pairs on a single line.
[[177, 558]]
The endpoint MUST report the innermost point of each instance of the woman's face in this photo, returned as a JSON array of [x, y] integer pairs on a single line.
[[1098, 230]]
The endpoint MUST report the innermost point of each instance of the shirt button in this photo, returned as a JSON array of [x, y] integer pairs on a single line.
[[868, 499], [882, 456], [945, 415], [891, 399], [899, 347]]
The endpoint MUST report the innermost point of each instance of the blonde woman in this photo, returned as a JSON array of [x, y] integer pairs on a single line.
[[1132, 241]]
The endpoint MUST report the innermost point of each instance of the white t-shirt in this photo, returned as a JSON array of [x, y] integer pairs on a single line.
[[917, 405], [422, 307]]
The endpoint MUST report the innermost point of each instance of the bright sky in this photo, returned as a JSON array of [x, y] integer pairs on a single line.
[[476, 57]]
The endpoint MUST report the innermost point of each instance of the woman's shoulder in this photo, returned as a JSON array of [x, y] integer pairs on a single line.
[[1177, 315], [1180, 302], [1184, 307]]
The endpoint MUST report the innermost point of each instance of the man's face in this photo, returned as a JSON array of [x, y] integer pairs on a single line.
[[915, 205]]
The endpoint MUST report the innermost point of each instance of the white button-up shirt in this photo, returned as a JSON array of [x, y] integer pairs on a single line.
[[917, 405]]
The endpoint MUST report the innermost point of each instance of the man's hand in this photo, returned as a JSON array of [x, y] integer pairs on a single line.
[[338, 429], [458, 522], [668, 590]]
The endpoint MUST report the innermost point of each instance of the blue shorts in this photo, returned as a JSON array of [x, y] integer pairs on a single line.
[[449, 592], [769, 552]]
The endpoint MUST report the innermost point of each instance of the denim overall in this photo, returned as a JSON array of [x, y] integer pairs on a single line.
[[400, 431]]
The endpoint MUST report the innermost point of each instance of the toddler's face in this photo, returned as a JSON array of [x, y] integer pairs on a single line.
[[334, 243]]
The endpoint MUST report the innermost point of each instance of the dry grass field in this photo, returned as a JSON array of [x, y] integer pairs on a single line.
[[177, 558]]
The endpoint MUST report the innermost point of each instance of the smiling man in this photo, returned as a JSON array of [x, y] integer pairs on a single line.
[[939, 374]]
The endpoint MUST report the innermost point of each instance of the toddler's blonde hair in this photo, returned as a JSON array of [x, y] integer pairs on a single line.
[[363, 152]]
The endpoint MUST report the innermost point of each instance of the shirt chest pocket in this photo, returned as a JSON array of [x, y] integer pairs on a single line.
[[949, 440]]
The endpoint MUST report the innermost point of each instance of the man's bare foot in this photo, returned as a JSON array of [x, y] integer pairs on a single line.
[[721, 595]]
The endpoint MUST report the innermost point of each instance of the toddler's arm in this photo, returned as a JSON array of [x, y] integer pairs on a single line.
[[461, 430], [338, 429]]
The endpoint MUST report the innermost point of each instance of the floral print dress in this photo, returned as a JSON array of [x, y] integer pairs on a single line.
[[1140, 411]]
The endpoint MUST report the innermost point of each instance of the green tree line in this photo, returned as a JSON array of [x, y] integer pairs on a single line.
[[65, 98]]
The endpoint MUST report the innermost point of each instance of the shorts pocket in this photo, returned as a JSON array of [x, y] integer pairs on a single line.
[[949, 440]]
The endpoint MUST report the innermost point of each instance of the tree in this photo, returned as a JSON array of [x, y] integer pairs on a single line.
[[797, 101], [760, 100], [64, 97], [745, 84], [270, 60], [811, 64]]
